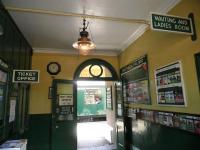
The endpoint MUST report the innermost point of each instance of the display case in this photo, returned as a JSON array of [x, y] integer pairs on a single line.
[[186, 122], [169, 85]]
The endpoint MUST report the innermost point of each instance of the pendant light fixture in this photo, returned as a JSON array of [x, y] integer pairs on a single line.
[[84, 44]]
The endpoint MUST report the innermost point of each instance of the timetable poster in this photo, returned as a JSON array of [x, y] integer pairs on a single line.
[[135, 81], [169, 85], [109, 104]]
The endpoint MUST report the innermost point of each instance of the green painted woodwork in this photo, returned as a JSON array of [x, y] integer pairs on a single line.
[[16, 52], [63, 129], [84, 109], [38, 134], [151, 136], [64, 136], [120, 134]]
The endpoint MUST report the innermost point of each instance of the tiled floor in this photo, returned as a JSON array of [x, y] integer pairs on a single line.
[[91, 136]]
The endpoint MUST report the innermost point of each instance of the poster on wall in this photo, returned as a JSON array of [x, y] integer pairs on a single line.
[[119, 103], [169, 85], [92, 96], [109, 104], [3, 76], [135, 80], [12, 109]]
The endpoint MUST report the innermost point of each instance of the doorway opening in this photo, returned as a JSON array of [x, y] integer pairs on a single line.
[[96, 123], [93, 131]]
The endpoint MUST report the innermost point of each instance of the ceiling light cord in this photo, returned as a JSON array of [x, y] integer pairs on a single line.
[[91, 34]]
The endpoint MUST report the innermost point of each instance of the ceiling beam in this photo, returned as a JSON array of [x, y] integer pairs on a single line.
[[60, 13]]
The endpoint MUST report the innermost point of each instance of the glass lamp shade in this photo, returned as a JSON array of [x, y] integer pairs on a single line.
[[84, 45]]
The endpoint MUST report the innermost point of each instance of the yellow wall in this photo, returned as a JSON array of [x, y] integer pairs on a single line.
[[39, 102], [164, 48]]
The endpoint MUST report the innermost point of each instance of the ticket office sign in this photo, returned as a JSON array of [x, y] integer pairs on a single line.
[[170, 23], [26, 76]]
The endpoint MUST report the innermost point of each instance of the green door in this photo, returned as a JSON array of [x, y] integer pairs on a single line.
[[63, 116]]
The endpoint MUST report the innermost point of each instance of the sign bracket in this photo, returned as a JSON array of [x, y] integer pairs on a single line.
[[194, 35]]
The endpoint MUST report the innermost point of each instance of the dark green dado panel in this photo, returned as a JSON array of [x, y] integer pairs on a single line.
[[17, 53], [38, 135], [151, 136]]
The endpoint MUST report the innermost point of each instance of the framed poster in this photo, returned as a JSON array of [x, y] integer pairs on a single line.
[[135, 80], [119, 102], [109, 104], [169, 85]]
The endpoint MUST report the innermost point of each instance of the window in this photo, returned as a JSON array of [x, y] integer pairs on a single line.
[[95, 69]]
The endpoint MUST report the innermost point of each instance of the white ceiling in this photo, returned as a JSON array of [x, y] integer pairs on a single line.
[[53, 33]]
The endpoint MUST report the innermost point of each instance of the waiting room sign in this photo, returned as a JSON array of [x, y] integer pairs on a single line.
[[170, 23], [26, 76]]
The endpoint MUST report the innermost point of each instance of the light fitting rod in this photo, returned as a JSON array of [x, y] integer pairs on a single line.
[[59, 13]]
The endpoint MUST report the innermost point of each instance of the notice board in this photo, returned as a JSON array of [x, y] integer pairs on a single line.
[[135, 80]]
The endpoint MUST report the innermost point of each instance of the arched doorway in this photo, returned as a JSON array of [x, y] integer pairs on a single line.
[[64, 101], [92, 78]]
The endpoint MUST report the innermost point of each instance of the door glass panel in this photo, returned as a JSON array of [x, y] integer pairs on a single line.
[[64, 102], [64, 88]]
